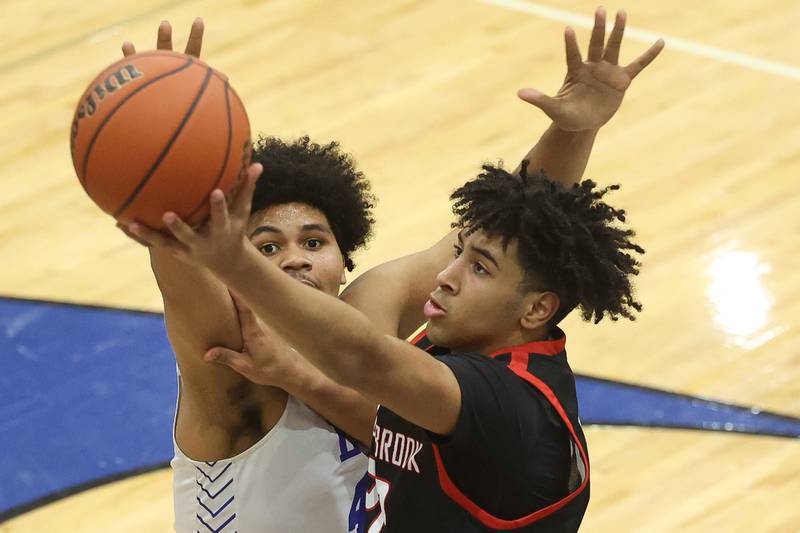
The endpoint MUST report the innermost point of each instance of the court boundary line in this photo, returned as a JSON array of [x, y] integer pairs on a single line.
[[639, 34]]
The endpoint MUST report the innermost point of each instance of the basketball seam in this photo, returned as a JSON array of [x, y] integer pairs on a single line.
[[227, 154], [111, 113], [166, 149]]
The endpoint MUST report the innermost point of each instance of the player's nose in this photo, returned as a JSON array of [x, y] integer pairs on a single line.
[[295, 260], [446, 279]]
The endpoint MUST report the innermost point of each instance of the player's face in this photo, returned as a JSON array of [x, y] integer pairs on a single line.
[[477, 305], [298, 238]]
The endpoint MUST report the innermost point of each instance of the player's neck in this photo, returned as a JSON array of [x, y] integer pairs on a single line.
[[519, 337]]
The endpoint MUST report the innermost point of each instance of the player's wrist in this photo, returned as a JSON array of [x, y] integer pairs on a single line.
[[575, 130], [298, 382], [234, 263]]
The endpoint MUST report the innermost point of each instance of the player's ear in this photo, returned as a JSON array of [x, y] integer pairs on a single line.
[[539, 309]]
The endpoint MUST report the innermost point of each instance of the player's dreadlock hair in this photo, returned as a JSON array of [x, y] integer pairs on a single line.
[[569, 242], [322, 177]]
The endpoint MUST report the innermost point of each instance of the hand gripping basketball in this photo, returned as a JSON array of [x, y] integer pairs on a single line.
[[220, 241]]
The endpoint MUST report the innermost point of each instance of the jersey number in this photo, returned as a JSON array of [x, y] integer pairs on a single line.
[[376, 495]]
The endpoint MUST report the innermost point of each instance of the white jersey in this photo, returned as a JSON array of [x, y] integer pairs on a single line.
[[302, 476]]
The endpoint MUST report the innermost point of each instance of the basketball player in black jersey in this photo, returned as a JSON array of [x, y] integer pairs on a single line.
[[483, 435]]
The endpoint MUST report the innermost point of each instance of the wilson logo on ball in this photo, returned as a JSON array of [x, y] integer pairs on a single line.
[[111, 84]]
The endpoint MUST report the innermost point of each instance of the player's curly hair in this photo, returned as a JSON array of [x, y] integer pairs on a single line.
[[321, 176], [569, 239]]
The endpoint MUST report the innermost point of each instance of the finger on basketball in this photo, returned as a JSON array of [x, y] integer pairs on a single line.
[[128, 49], [179, 229], [156, 239], [195, 43], [132, 236], [219, 209], [148, 235], [243, 198], [164, 40]]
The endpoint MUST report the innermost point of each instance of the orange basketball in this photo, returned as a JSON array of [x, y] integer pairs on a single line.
[[156, 132]]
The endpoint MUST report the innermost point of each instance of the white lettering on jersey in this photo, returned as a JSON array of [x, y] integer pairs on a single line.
[[412, 449], [396, 448], [399, 449], [386, 442]]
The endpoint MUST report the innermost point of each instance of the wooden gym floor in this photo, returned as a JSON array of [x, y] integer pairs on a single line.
[[706, 147]]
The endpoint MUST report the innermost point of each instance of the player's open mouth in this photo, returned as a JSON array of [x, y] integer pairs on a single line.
[[433, 308]]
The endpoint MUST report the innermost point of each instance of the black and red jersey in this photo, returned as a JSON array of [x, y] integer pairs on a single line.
[[516, 460]]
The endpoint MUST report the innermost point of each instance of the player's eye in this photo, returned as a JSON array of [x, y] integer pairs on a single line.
[[314, 243], [479, 269], [269, 248]]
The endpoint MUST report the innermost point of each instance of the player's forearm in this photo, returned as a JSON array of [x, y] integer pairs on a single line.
[[343, 407], [562, 154], [199, 311], [333, 336]]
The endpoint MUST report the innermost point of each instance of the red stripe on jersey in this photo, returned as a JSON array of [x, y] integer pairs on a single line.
[[518, 365], [551, 347], [422, 334], [419, 336]]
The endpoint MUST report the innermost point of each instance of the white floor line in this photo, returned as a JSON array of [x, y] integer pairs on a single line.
[[672, 43]]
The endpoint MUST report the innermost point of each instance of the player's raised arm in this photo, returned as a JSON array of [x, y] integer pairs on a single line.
[[591, 94], [198, 314]]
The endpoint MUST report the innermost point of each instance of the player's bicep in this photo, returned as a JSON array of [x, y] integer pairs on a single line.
[[414, 385]]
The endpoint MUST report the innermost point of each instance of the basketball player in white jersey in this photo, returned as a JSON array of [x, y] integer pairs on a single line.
[[563, 153], [253, 457]]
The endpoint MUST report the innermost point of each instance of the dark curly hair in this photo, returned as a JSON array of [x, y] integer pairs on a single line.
[[322, 177], [569, 241]]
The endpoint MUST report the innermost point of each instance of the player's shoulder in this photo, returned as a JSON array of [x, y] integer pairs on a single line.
[[491, 379]]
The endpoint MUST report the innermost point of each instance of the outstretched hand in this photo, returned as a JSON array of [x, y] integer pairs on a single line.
[[593, 89], [164, 39]]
